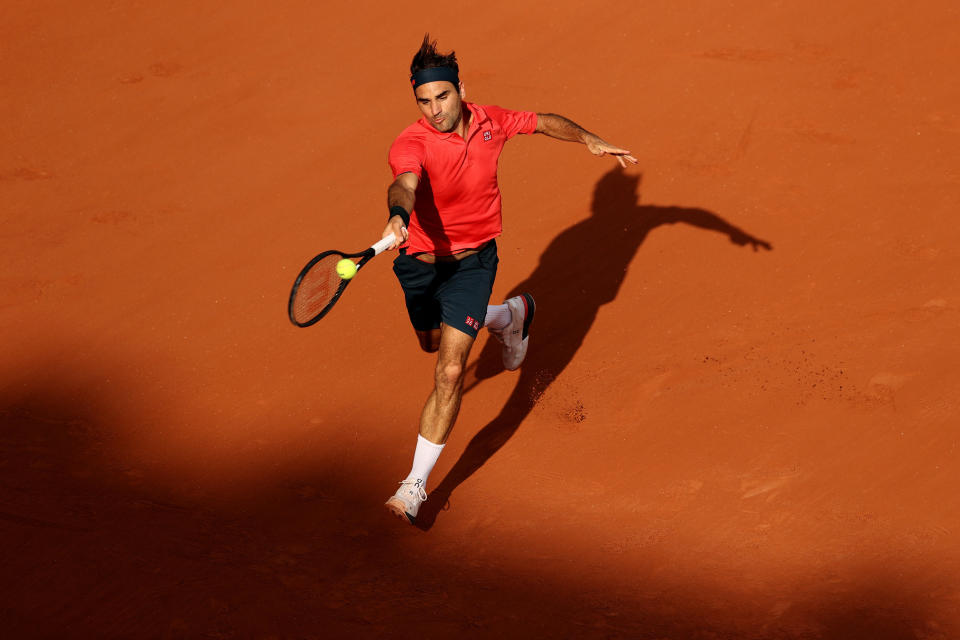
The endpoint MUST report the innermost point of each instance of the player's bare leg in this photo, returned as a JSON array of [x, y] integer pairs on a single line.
[[438, 416], [441, 408]]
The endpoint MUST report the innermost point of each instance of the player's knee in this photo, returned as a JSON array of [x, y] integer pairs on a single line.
[[449, 375]]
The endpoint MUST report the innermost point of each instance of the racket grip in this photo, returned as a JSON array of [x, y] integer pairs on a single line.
[[382, 245]]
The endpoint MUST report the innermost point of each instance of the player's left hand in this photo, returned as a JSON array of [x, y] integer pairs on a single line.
[[599, 147]]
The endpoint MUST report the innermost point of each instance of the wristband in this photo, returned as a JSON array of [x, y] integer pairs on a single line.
[[397, 210]]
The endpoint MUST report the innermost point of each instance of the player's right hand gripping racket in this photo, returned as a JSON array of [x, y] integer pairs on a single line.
[[319, 286]]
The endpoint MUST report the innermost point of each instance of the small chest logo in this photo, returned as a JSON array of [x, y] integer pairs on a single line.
[[473, 323], [487, 136]]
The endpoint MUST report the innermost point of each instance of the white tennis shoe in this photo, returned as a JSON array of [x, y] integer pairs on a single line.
[[516, 335], [405, 503]]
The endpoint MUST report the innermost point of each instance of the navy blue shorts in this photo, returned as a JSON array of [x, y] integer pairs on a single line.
[[454, 293]]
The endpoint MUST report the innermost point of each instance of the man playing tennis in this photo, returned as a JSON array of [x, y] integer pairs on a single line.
[[445, 211]]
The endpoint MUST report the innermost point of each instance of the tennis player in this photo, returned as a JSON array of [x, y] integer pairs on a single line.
[[445, 211]]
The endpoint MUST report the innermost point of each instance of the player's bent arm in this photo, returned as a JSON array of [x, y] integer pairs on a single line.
[[401, 193], [561, 128]]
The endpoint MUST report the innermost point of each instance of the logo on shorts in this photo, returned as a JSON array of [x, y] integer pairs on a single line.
[[473, 323], [487, 136]]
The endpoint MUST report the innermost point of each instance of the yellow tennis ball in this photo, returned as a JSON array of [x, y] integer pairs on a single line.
[[346, 268]]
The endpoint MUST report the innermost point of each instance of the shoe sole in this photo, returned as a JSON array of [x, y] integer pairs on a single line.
[[398, 509], [532, 308]]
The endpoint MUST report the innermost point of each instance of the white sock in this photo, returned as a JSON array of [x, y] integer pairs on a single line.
[[423, 459], [498, 316]]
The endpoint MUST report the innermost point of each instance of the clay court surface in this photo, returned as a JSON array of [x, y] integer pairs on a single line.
[[739, 413]]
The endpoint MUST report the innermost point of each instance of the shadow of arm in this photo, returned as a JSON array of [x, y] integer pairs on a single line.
[[706, 220]]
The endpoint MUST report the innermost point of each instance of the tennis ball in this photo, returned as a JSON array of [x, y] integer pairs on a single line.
[[346, 268]]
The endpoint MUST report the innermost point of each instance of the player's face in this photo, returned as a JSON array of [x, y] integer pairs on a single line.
[[441, 103]]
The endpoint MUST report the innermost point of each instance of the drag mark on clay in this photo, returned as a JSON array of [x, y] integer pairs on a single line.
[[756, 487], [25, 173], [654, 386], [811, 131], [824, 136], [130, 222], [111, 217], [164, 69], [157, 70], [680, 495], [733, 54], [884, 385], [936, 303], [744, 142]]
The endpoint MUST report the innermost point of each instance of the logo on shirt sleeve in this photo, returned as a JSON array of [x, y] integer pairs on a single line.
[[487, 136]]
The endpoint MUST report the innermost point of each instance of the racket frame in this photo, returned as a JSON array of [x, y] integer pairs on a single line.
[[365, 256]]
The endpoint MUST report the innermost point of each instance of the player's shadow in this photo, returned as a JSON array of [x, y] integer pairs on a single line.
[[580, 271]]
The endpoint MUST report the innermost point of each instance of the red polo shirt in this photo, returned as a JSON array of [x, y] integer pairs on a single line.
[[458, 198]]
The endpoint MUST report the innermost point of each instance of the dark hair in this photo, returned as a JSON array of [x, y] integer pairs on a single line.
[[428, 57]]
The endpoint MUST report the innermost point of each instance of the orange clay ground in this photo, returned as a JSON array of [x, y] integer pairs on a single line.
[[739, 413]]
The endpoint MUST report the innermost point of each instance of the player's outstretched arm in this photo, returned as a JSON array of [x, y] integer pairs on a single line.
[[401, 193], [562, 128]]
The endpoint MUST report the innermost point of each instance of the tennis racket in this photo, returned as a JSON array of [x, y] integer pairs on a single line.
[[319, 286]]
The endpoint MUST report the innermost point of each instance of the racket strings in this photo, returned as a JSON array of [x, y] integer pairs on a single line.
[[317, 289]]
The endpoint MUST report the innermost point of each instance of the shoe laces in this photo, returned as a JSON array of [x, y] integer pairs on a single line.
[[416, 485]]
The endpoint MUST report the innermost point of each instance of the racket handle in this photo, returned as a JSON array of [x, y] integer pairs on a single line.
[[382, 245]]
